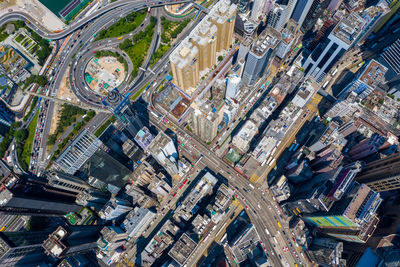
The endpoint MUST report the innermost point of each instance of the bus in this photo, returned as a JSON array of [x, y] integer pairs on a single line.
[[272, 162], [279, 224], [296, 147], [291, 147], [120, 38]]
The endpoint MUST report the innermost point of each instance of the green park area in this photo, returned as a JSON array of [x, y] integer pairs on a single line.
[[171, 30], [108, 53], [124, 26], [105, 125], [138, 47], [233, 156], [27, 146], [138, 93], [69, 116]]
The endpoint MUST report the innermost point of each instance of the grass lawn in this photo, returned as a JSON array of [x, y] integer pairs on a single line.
[[138, 93], [123, 26], [26, 152], [171, 29], [103, 127], [137, 53], [159, 53], [138, 47], [234, 155], [19, 38]]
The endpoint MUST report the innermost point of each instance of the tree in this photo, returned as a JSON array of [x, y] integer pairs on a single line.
[[125, 44], [51, 140], [91, 113], [20, 135], [220, 58]]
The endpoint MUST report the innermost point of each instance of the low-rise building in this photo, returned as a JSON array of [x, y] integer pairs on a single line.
[[161, 241], [136, 221], [243, 138], [115, 208], [189, 205], [182, 249], [244, 243]]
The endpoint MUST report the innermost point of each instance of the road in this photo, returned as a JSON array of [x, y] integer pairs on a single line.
[[117, 5], [262, 209], [68, 51], [260, 206]]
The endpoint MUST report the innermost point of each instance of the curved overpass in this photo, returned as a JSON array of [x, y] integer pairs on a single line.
[[139, 4]]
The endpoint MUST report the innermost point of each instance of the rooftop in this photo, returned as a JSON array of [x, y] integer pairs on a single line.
[[349, 28], [374, 74], [269, 38], [184, 54], [182, 249], [244, 243]]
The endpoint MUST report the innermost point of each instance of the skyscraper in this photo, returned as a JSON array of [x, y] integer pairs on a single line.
[[163, 150], [329, 51], [114, 208], [392, 55], [92, 198], [301, 10], [33, 198], [185, 66], [353, 218], [245, 47], [382, 174], [143, 138], [243, 5], [276, 17], [367, 147], [233, 86], [259, 55], [22, 248], [223, 15], [111, 238], [197, 52], [205, 38], [326, 252], [66, 182], [323, 191], [206, 116], [70, 240], [257, 10], [79, 151], [289, 11], [125, 115]]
